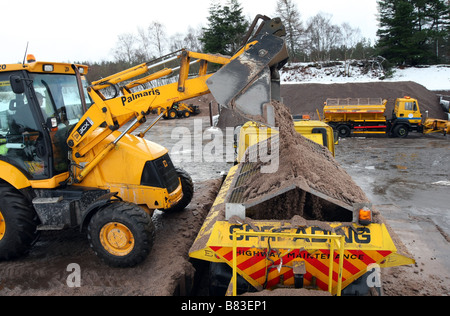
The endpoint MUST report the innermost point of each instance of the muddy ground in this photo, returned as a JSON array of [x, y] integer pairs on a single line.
[[166, 272], [408, 179]]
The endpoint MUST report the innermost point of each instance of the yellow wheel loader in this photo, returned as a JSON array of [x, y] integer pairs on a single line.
[[181, 110], [68, 158]]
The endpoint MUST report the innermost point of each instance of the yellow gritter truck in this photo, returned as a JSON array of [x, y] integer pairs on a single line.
[[368, 116]]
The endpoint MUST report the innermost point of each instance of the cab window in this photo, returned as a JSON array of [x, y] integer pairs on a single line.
[[21, 141], [60, 102], [411, 106]]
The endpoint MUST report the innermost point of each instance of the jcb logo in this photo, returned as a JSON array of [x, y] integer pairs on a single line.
[[85, 126]]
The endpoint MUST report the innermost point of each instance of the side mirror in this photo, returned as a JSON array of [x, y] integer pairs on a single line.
[[17, 84], [52, 123]]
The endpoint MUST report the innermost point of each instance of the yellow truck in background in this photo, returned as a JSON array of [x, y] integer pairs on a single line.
[[368, 116]]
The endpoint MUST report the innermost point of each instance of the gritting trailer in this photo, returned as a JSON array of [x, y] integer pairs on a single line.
[[316, 131], [293, 235], [258, 245]]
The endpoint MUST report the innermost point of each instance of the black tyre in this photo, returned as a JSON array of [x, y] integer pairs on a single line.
[[172, 114], [188, 191], [344, 131], [121, 234], [186, 114], [18, 224], [401, 131]]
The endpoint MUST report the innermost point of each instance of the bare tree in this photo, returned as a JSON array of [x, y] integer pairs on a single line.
[[189, 41], [288, 11], [177, 42], [192, 39], [125, 49], [145, 43], [157, 33], [322, 36], [350, 38]]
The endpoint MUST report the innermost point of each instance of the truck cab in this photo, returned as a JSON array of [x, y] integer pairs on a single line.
[[406, 117], [408, 108]]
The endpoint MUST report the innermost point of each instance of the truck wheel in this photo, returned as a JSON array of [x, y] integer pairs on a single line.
[[188, 191], [401, 131], [121, 234], [344, 131], [18, 224]]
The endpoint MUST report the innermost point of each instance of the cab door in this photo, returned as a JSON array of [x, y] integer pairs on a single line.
[[408, 109], [23, 139]]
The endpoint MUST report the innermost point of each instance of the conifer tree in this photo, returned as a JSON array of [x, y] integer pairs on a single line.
[[227, 27], [412, 31]]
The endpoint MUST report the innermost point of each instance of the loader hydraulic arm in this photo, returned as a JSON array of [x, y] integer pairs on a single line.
[[132, 107], [119, 110], [249, 70]]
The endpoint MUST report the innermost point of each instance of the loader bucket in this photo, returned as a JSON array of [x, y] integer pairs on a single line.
[[249, 82]]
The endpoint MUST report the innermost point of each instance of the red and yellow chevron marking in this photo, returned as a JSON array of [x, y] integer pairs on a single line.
[[266, 270]]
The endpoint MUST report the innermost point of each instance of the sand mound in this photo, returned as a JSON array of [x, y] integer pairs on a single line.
[[307, 98], [304, 164]]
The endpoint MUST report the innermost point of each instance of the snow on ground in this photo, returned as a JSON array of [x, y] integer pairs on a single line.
[[432, 77]]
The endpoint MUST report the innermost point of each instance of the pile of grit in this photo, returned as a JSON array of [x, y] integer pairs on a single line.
[[305, 164], [307, 98]]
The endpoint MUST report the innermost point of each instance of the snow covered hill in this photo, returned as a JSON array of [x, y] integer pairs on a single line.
[[432, 77]]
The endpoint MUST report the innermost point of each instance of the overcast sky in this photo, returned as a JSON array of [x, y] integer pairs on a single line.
[[87, 30]]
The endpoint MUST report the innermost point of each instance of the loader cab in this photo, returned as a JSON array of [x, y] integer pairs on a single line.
[[39, 104], [408, 109]]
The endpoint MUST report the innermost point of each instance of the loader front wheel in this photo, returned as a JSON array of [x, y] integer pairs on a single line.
[[186, 114], [121, 234], [18, 224], [188, 191]]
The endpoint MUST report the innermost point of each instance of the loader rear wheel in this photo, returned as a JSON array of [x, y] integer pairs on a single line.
[[188, 191], [18, 224], [121, 234]]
